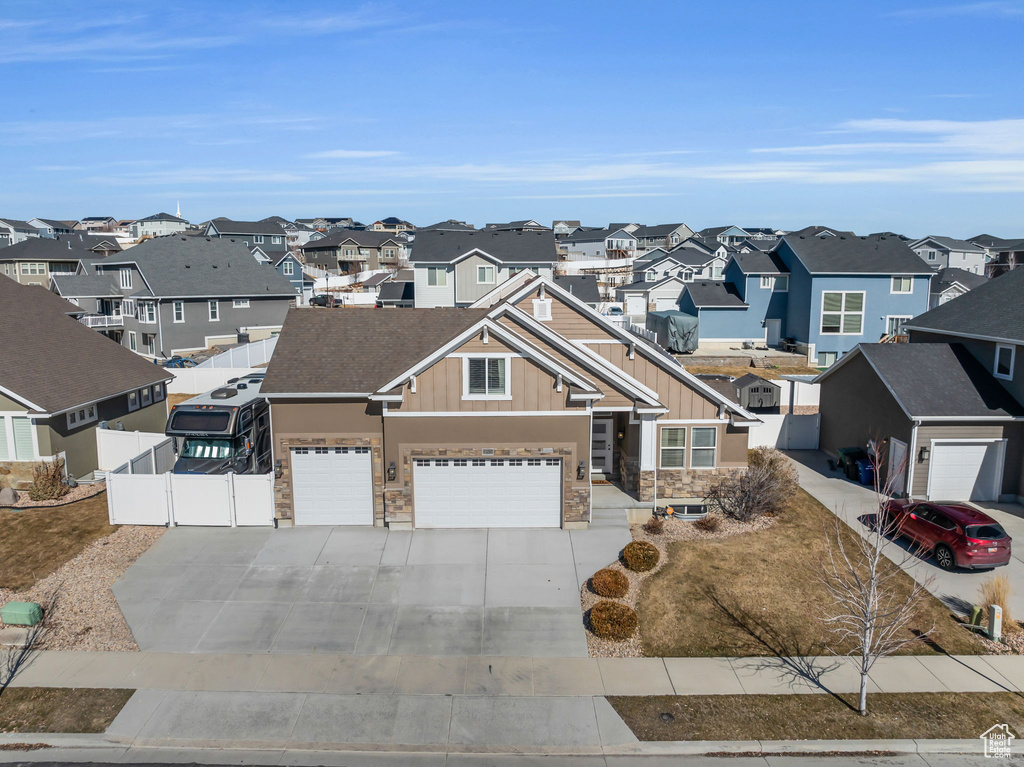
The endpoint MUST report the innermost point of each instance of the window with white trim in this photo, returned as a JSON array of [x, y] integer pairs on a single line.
[[650, 276], [437, 276], [276, 239], [240, 303], [827, 359], [485, 275], [133, 342], [704, 447], [902, 285], [842, 313], [894, 325], [147, 312], [33, 268], [258, 239], [288, 268], [932, 255], [486, 377], [214, 311], [767, 281], [126, 278], [81, 416], [673, 448], [147, 397], [179, 311], [1005, 357], [149, 343], [159, 392]]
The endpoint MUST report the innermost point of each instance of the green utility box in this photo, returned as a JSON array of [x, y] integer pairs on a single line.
[[21, 613]]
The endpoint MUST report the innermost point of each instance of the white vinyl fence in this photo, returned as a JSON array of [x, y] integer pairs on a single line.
[[115, 448], [798, 392], [327, 281], [199, 379], [356, 299], [786, 432], [244, 356], [211, 500]]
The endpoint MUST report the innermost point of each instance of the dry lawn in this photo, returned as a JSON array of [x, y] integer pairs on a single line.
[[818, 717], [48, 709], [35, 542], [737, 371], [756, 594], [177, 399]]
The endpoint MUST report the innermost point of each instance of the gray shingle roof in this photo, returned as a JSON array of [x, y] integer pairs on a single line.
[[758, 262], [196, 266], [366, 238], [995, 310], [939, 380], [752, 379], [855, 255], [438, 247], [228, 227], [950, 243], [691, 256], [65, 363], [707, 294], [583, 286], [163, 217], [86, 285], [949, 275], [66, 247], [342, 359], [597, 235], [451, 225], [657, 230], [393, 291]]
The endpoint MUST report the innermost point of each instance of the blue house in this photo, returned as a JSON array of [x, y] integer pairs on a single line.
[[845, 290], [289, 267]]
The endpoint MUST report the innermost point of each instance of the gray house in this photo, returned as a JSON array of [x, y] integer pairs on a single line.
[[351, 251], [178, 294], [948, 252], [269, 235]]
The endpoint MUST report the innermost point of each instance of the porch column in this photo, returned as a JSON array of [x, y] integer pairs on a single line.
[[648, 474]]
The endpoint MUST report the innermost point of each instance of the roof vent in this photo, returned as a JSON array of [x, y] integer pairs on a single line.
[[232, 380], [243, 386], [223, 393]]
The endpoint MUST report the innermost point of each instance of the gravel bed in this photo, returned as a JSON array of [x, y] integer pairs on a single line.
[[75, 494], [1012, 644], [87, 616], [673, 530]]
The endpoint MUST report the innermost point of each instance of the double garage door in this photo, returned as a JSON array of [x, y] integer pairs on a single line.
[[334, 486], [488, 492], [965, 471]]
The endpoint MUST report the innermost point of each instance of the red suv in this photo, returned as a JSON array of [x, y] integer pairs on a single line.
[[957, 535]]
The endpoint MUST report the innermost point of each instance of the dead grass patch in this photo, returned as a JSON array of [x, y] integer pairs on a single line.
[[756, 594], [37, 541], [177, 399], [818, 717], [53, 709], [736, 371]]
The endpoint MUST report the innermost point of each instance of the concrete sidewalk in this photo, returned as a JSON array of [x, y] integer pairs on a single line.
[[518, 677]]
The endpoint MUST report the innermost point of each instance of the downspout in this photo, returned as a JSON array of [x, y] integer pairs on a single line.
[[159, 331]]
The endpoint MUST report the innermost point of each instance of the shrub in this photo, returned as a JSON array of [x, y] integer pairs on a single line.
[[997, 591], [765, 488], [48, 483], [640, 556], [708, 524], [610, 583], [610, 620], [654, 525]]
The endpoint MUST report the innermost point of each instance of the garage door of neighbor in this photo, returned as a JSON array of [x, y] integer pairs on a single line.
[[332, 485], [965, 471], [636, 304], [487, 492], [666, 304]]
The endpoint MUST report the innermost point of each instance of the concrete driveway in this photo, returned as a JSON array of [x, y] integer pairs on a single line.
[[958, 588], [368, 591]]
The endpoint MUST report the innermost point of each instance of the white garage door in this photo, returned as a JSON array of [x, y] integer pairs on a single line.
[[965, 471], [332, 485], [666, 304], [636, 305], [502, 492]]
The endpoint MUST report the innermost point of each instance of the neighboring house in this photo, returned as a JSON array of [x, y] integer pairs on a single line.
[[457, 268], [34, 261], [527, 225], [665, 236], [952, 283], [451, 225], [180, 294], [946, 252], [97, 224], [599, 244], [267, 234], [63, 383], [13, 231], [327, 224], [1004, 255], [157, 225], [397, 291], [498, 415], [391, 224], [290, 267], [941, 426], [352, 251], [844, 291], [658, 295], [582, 286], [49, 227], [564, 228], [727, 235]]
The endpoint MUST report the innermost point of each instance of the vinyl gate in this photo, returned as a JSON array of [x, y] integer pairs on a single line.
[[216, 500]]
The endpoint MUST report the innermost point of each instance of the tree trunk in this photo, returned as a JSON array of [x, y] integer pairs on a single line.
[[863, 693]]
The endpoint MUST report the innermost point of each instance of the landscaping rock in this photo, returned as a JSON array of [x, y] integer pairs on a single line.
[[8, 496]]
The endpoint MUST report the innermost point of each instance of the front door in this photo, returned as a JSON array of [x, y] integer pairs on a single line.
[[897, 467], [601, 446], [773, 332]]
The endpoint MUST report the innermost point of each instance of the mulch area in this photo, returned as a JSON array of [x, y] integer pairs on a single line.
[[79, 493]]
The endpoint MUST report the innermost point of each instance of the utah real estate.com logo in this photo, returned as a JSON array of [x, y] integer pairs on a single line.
[[998, 741]]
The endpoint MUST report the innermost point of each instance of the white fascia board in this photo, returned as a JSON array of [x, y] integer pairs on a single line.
[[672, 367], [977, 336], [967, 419], [486, 300]]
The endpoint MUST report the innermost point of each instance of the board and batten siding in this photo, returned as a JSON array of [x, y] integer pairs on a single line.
[[432, 296], [567, 321], [952, 431]]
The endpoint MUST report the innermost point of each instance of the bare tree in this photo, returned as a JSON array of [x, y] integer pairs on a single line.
[[873, 609], [15, 658]]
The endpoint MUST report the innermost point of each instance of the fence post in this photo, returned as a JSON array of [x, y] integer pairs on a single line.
[[169, 489], [231, 498], [110, 497]]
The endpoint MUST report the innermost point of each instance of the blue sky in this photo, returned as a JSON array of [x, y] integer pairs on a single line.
[[903, 115]]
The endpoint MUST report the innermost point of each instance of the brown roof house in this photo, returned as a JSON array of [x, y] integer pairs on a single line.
[[57, 390], [494, 415]]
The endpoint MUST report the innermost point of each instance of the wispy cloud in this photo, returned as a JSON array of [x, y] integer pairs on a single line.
[[994, 9], [368, 16], [110, 47], [350, 154], [180, 127]]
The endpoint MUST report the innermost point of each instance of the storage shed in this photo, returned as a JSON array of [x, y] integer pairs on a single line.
[[756, 393]]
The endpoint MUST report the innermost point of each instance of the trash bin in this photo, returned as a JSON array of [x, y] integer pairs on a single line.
[[865, 472], [848, 457]]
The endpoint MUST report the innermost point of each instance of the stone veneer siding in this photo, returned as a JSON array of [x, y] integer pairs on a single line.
[[672, 483], [398, 500], [283, 502]]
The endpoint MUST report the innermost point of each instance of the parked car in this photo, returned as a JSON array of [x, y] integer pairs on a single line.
[[177, 361], [324, 299], [614, 311], [956, 534]]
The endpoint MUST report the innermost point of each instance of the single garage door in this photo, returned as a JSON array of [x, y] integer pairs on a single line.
[[332, 485], [965, 471], [636, 304], [509, 492], [666, 304]]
